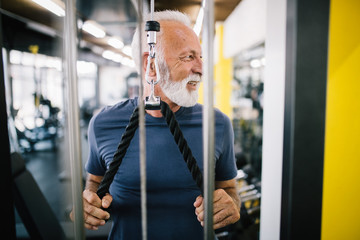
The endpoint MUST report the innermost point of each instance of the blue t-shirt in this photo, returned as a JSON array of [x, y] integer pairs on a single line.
[[171, 190]]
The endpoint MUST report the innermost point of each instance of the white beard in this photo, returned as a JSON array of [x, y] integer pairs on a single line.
[[178, 93]]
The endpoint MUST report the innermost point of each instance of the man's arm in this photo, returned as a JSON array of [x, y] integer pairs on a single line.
[[94, 216], [226, 204], [93, 182]]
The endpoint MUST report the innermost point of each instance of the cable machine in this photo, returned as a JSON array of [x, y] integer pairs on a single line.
[[206, 183]]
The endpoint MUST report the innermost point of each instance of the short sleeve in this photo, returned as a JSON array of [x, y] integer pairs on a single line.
[[94, 164], [226, 164]]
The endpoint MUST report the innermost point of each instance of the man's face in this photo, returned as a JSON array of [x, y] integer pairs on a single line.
[[182, 67]]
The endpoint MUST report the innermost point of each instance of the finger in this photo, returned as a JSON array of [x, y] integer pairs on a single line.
[[72, 215], [200, 216], [219, 194], [92, 198], [225, 217], [95, 211], [198, 201], [93, 221], [223, 204], [222, 201], [199, 209], [91, 227], [220, 216], [218, 208], [226, 221], [106, 201]]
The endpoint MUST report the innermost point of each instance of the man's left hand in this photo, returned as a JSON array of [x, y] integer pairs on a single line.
[[225, 209]]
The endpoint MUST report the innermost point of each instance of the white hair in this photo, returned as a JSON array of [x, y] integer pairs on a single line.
[[167, 15]]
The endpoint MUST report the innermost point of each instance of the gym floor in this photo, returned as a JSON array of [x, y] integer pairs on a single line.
[[50, 169]]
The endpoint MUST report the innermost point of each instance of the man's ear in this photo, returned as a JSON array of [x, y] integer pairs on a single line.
[[152, 70]]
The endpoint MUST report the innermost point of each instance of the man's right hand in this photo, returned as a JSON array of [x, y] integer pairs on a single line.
[[94, 213]]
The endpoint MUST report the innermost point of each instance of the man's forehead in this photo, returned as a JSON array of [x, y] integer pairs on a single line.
[[175, 30], [175, 27]]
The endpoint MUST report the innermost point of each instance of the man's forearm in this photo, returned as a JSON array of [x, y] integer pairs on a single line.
[[93, 182]]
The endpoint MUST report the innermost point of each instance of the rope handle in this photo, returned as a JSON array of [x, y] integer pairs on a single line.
[[126, 140], [182, 145], [119, 154]]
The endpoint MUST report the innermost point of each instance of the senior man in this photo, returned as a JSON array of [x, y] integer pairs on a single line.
[[174, 202]]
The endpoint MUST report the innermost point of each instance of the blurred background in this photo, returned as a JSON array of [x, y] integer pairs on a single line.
[[254, 40], [33, 54]]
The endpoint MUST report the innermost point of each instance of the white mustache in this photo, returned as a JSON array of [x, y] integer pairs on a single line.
[[193, 78]]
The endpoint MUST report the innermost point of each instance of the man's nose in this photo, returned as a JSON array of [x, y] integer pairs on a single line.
[[197, 68]]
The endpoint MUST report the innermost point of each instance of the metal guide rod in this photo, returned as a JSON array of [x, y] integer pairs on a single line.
[[142, 131], [208, 118], [70, 54], [152, 7], [152, 27]]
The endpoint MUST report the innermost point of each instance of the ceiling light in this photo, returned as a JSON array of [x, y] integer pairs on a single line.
[[15, 57], [110, 55], [116, 43], [116, 57], [127, 50], [128, 62], [94, 29], [54, 6], [255, 63]]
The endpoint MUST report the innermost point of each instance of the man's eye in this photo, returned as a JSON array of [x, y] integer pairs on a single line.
[[188, 58]]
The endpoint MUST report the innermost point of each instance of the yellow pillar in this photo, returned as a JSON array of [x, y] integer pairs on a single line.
[[341, 190], [222, 75]]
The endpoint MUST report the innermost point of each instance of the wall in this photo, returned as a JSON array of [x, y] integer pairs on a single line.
[[245, 27], [341, 191], [273, 127], [223, 74]]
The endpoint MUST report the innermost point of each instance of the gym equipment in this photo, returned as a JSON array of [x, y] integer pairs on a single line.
[[125, 142], [39, 219], [152, 101], [47, 131]]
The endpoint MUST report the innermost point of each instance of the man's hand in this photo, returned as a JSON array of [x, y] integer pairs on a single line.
[[226, 210], [94, 216]]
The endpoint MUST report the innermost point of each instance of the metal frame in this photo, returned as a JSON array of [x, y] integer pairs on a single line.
[[304, 118], [74, 128], [6, 176], [208, 117], [70, 54], [142, 130]]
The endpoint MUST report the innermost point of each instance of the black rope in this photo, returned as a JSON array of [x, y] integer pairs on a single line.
[[119, 154], [182, 145], [129, 134]]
